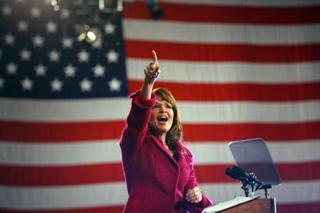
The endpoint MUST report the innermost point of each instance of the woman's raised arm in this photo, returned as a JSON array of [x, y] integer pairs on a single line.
[[152, 72]]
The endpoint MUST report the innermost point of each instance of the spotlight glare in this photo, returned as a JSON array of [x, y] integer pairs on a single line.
[[56, 8], [90, 36], [54, 3], [82, 36]]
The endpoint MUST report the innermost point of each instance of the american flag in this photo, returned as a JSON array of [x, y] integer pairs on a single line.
[[239, 69]]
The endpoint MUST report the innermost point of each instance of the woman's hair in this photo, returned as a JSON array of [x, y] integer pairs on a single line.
[[175, 133]]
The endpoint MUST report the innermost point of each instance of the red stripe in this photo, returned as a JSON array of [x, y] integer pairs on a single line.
[[60, 132], [228, 14], [72, 132], [299, 171], [270, 132], [224, 52], [113, 209], [288, 172], [312, 207], [60, 175], [292, 208], [103, 173], [238, 91]]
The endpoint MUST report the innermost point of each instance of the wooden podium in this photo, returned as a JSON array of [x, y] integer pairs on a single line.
[[254, 206], [259, 205]]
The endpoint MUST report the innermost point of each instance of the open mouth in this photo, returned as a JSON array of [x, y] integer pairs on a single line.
[[162, 118]]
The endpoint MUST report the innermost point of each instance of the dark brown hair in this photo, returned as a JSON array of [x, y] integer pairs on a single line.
[[174, 136]]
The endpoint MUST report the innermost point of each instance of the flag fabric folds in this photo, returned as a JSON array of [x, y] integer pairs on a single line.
[[238, 69]]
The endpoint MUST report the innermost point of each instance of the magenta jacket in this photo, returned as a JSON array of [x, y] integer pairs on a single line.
[[156, 182]]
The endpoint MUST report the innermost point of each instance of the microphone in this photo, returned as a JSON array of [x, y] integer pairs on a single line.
[[237, 173], [231, 173], [247, 179]]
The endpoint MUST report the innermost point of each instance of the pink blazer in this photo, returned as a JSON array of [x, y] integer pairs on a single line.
[[156, 182]]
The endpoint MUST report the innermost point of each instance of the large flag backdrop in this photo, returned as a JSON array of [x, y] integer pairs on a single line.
[[239, 69]]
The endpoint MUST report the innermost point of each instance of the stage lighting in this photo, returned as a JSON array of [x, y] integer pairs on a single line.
[[55, 4], [87, 18], [155, 9], [89, 34], [110, 5]]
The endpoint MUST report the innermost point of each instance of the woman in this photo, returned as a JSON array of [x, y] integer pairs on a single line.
[[158, 168]]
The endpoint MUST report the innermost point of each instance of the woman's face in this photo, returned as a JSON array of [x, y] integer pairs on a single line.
[[162, 116]]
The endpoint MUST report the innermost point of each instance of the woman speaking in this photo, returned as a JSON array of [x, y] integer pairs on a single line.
[[158, 168]]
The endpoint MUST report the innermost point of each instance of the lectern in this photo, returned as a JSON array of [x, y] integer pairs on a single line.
[[254, 205], [256, 171]]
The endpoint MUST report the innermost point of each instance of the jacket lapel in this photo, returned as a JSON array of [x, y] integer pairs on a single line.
[[158, 143]]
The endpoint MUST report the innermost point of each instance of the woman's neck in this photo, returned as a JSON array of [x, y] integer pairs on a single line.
[[162, 138]]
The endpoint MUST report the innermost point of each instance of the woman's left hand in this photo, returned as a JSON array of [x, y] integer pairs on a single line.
[[194, 195]]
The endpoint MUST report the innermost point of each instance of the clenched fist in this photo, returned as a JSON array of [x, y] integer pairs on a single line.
[[194, 195]]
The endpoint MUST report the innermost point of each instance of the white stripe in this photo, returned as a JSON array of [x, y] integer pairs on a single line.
[[210, 112], [201, 72], [64, 110], [264, 3], [89, 152], [191, 112], [281, 152], [90, 195], [94, 195], [93, 152], [220, 33]]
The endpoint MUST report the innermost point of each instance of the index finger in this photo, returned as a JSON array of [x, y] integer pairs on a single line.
[[154, 56]]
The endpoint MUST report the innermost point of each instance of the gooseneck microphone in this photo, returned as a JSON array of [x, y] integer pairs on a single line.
[[245, 178], [238, 173]]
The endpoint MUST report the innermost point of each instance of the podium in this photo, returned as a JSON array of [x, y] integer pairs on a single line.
[[256, 171], [253, 205]]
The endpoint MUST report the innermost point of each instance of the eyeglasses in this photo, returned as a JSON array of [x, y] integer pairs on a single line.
[[164, 105]]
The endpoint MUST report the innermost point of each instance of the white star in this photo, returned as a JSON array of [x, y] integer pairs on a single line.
[[22, 26], [56, 85], [98, 70], [9, 39], [114, 84], [83, 56], [67, 42], [65, 13], [6, 10], [54, 56], [25, 55], [69, 70], [112, 56], [11, 68], [35, 12], [1, 83], [109, 28], [51, 27], [38, 41], [40, 70], [85, 85], [26, 84]]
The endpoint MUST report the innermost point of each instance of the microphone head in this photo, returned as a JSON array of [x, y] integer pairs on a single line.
[[231, 173], [240, 172], [236, 173]]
